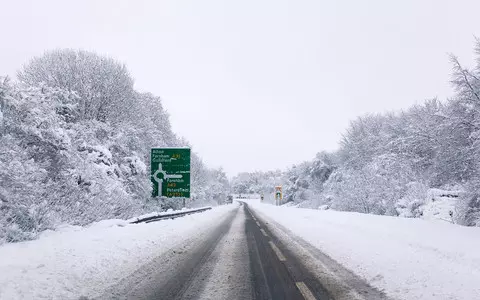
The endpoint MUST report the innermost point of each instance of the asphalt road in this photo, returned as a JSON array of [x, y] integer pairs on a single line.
[[240, 259], [276, 273]]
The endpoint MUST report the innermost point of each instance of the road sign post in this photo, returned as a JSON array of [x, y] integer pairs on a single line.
[[278, 195], [170, 172]]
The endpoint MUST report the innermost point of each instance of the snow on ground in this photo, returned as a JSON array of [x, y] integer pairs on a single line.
[[407, 258], [440, 205], [77, 261]]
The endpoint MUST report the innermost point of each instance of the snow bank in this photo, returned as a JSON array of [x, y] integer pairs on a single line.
[[109, 223], [440, 205], [408, 258], [77, 261]]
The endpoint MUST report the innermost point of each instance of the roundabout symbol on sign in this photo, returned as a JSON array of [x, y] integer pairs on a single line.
[[160, 175]]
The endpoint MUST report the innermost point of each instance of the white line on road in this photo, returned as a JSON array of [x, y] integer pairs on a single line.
[[277, 251], [263, 232], [306, 293]]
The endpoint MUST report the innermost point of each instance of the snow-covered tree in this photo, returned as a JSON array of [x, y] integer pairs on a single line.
[[75, 140], [104, 86], [387, 163]]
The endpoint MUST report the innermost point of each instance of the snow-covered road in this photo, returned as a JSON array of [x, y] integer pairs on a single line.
[[210, 267], [248, 251]]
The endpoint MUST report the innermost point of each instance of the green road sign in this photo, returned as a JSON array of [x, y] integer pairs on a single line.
[[170, 172]]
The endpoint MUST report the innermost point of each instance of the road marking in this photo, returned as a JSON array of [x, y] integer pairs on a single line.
[[263, 232], [277, 251], [257, 223], [305, 291]]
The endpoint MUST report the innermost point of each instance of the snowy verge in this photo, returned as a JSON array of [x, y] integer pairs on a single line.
[[75, 261], [406, 258]]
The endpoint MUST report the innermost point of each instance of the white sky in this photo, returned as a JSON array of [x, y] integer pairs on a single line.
[[258, 85]]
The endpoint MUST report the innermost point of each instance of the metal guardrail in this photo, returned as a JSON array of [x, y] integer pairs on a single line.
[[169, 216]]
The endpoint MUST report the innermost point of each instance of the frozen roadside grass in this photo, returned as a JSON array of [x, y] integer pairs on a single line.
[[76, 261], [406, 258]]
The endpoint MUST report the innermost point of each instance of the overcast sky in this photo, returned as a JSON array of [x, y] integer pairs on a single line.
[[259, 85]]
